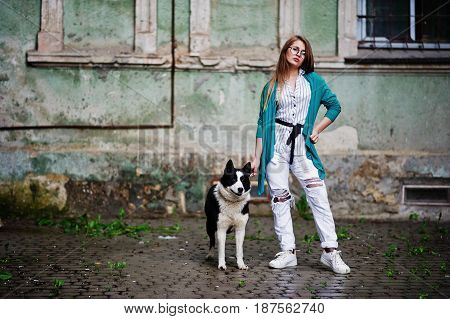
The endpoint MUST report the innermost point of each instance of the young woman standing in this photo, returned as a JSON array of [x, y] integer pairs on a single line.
[[285, 141]]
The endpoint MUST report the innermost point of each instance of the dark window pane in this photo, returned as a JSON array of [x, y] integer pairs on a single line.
[[429, 195], [388, 19], [433, 25]]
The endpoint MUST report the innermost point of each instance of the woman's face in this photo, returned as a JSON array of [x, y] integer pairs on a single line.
[[295, 54]]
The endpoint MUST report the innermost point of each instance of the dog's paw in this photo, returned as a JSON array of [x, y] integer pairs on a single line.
[[242, 266], [222, 267]]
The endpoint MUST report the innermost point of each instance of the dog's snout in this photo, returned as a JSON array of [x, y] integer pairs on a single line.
[[240, 190]]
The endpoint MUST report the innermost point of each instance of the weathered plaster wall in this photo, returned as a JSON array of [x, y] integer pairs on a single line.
[[236, 23], [92, 24], [318, 22], [181, 22], [73, 96], [399, 112], [392, 126]]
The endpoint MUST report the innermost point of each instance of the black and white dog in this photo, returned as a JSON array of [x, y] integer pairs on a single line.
[[226, 209]]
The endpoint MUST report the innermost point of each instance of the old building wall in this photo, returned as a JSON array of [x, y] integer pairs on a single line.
[[393, 125]]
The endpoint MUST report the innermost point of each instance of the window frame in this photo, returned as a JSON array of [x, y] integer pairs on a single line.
[[366, 42]]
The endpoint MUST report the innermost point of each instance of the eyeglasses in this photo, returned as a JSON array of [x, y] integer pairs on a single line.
[[297, 51]]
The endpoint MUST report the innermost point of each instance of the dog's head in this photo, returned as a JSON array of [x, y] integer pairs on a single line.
[[236, 181]]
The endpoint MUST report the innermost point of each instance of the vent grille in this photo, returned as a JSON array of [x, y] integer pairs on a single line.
[[427, 195]]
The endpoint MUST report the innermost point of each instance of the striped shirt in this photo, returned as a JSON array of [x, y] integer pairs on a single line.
[[292, 107]]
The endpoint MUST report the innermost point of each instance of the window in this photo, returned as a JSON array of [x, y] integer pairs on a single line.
[[405, 24]]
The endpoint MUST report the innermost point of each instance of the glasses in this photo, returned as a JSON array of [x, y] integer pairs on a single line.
[[297, 51]]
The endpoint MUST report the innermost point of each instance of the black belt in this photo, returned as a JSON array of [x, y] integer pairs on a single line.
[[297, 129]]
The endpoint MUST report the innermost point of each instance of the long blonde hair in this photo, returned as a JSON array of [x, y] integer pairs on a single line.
[[282, 70]]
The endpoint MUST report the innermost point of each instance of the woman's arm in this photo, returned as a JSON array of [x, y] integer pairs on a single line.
[[331, 103], [319, 128], [259, 134], [257, 156]]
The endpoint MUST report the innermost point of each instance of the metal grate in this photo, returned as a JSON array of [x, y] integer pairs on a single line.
[[426, 195], [407, 24]]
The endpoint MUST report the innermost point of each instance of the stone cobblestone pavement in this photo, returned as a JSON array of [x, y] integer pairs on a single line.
[[388, 260]]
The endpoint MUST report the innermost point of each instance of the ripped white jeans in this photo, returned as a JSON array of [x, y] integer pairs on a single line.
[[277, 173]]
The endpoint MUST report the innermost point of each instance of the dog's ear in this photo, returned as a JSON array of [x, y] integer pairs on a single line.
[[229, 168], [247, 169]]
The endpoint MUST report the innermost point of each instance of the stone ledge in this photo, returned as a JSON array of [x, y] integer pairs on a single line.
[[338, 65], [65, 58], [229, 63], [213, 63]]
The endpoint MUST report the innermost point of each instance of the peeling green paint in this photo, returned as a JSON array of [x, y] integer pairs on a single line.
[[96, 24], [256, 27], [104, 96], [318, 23]]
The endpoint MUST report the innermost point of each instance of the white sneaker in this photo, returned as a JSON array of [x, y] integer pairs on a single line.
[[334, 261], [284, 259]]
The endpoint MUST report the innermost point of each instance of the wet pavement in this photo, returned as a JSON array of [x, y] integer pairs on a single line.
[[387, 260]]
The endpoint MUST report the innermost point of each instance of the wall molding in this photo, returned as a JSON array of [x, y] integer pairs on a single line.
[[51, 50], [51, 35], [199, 27], [289, 20], [347, 28], [86, 60], [145, 26]]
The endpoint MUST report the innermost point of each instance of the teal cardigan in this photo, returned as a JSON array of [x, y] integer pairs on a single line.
[[320, 94]]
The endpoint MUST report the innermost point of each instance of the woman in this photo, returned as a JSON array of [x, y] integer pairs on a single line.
[[285, 141]]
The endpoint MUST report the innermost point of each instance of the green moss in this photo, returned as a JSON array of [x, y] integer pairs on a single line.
[[128, 170], [41, 164], [28, 198]]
